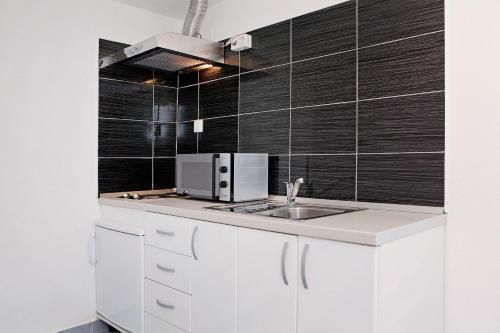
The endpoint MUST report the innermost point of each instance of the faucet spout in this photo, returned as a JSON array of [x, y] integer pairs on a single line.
[[292, 189]]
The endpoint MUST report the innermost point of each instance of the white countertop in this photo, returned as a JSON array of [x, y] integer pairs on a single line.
[[372, 227]]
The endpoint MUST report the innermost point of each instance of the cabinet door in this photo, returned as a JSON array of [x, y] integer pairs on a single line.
[[267, 282], [337, 287], [213, 278]]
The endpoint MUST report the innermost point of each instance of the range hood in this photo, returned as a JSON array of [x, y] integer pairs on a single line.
[[172, 51]]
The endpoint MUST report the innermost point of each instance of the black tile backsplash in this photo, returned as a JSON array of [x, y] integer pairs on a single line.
[[264, 90], [220, 135], [124, 174], [324, 32], [329, 129], [125, 100], [324, 80], [270, 47], [350, 97], [125, 138], [325, 176], [219, 98], [404, 67], [411, 179], [384, 20], [265, 132], [402, 124], [164, 173], [165, 104], [165, 139]]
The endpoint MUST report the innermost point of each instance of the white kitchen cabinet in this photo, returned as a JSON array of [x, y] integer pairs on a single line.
[[337, 287], [267, 282], [213, 277]]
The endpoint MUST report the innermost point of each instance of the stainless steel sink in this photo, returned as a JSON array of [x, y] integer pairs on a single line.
[[297, 212]]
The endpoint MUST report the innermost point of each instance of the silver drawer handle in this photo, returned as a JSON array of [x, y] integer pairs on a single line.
[[163, 305], [166, 233], [303, 266], [166, 269], [283, 263], [195, 256]]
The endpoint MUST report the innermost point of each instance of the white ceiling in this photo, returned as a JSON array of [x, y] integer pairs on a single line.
[[176, 9]]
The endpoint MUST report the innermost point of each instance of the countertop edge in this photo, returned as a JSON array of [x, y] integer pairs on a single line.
[[349, 236]]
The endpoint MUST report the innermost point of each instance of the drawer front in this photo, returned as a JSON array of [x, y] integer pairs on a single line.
[[168, 232], [168, 304], [155, 325], [171, 269]]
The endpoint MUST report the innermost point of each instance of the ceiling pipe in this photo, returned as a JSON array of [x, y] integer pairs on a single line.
[[194, 18]]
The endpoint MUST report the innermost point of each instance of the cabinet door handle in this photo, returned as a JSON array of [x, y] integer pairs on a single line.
[[166, 269], [166, 233], [303, 266], [192, 243], [163, 305], [283, 263]]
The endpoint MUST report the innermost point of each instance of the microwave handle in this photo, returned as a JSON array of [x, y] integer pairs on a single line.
[[215, 174]]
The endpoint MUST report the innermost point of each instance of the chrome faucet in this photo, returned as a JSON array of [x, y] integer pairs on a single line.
[[291, 190]]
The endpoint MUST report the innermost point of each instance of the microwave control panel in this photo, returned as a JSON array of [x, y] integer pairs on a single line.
[[225, 177]]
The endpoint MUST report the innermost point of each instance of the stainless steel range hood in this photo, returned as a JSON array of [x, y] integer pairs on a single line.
[[170, 52]]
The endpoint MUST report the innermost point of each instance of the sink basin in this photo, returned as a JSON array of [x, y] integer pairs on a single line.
[[303, 212], [297, 212]]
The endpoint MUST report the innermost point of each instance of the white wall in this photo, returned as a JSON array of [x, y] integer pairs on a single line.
[[473, 68], [232, 17], [473, 144], [48, 145]]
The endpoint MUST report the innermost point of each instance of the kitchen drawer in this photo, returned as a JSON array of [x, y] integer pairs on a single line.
[[171, 269], [155, 325], [168, 232], [168, 304]]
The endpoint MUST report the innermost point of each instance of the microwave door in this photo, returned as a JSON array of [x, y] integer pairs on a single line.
[[195, 175]]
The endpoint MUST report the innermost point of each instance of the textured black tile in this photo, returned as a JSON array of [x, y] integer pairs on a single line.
[[125, 138], [326, 176], [164, 78], [186, 139], [326, 31], [325, 80], [165, 139], [164, 173], [404, 67], [127, 73], [188, 103], [385, 20], [124, 174], [402, 124], [108, 47], [220, 135], [267, 89], [230, 67], [187, 79], [278, 174], [219, 98], [165, 104], [265, 132], [270, 47], [324, 130], [125, 100], [410, 179]]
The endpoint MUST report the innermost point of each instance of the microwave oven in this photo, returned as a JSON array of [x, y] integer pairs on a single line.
[[224, 177]]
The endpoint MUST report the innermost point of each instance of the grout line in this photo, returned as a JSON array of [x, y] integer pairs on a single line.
[[404, 153], [124, 157], [404, 95], [357, 103], [239, 100], [325, 55], [125, 119], [153, 139], [176, 116], [163, 157], [134, 82], [401, 39], [290, 105], [198, 134]]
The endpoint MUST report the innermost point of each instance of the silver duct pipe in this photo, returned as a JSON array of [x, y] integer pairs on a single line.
[[194, 18]]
